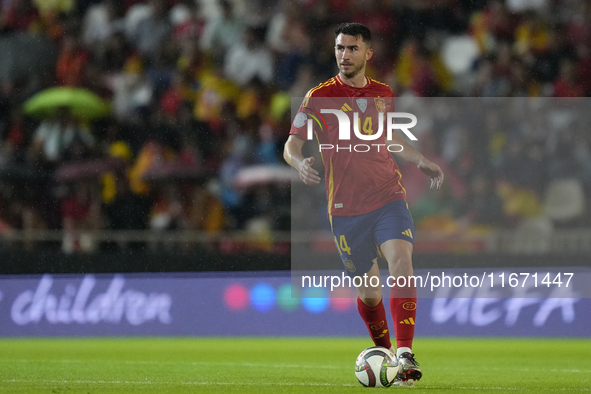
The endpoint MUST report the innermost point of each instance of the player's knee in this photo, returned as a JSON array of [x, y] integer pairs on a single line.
[[400, 265]]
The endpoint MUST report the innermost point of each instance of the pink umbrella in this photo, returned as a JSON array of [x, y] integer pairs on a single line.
[[262, 175], [175, 172], [75, 171]]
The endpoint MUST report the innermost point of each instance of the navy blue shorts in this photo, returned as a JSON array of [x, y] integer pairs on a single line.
[[358, 237]]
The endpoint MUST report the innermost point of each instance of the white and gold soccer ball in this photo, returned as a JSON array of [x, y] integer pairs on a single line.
[[376, 367]]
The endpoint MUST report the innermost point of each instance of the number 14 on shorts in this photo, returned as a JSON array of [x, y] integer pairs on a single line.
[[342, 245]]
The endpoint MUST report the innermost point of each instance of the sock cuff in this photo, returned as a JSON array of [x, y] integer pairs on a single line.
[[402, 349], [362, 305], [403, 292]]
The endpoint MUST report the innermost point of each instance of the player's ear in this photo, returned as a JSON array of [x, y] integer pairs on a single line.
[[369, 54]]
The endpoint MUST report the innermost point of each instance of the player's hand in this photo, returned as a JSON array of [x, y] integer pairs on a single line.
[[308, 175], [433, 171]]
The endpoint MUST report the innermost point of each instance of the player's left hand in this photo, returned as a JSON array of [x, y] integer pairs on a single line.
[[433, 171]]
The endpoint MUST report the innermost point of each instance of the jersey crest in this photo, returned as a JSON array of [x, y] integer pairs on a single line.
[[380, 104]]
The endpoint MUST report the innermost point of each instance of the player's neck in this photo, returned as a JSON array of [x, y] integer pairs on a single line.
[[357, 81]]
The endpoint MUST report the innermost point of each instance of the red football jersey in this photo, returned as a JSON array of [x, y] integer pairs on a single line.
[[361, 175]]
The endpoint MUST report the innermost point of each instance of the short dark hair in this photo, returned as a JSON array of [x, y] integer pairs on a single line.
[[355, 30]]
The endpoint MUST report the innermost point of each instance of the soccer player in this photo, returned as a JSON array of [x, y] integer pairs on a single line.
[[366, 199]]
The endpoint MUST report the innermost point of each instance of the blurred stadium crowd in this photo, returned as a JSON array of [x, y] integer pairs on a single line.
[[200, 90]]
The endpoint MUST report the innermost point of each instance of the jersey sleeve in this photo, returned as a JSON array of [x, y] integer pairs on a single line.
[[300, 121]]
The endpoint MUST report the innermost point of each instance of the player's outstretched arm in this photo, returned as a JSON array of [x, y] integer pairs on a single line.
[[292, 153], [412, 155]]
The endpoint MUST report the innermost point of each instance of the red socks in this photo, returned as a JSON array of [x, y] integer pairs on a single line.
[[377, 323], [403, 306]]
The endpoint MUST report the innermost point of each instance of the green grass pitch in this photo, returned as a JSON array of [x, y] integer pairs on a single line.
[[290, 365]]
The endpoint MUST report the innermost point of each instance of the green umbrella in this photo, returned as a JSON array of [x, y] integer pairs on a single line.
[[83, 103]]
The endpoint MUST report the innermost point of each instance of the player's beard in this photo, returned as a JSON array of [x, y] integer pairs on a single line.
[[354, 72]]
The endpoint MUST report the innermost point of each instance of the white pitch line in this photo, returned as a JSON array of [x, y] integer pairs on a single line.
[[268, 384], [114, 382], [499, 388], [217, 363], [173, 383], [248, 364], [549, 370]]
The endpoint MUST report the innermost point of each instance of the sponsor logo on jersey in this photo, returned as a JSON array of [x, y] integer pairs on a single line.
[[408, 233], [409, 306], [362, 104], [346, 108]]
